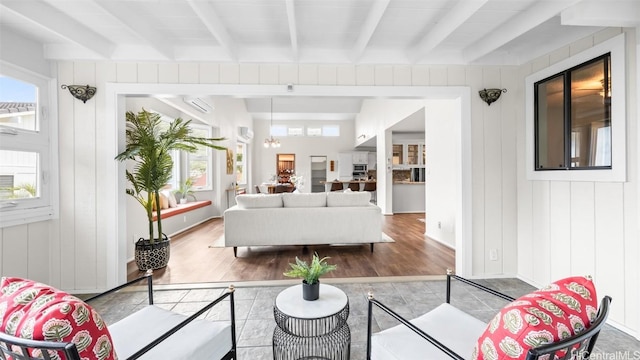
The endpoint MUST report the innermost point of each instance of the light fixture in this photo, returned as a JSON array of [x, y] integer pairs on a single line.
[[271, 141], [81, 92], [491, 95]]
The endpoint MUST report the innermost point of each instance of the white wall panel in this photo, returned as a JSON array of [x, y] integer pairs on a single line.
[[438, 76], [147, 73], [308, 74], [383, 75], [169, 73], [38, 260], [327, 75], [85, 185], [456, 75], [66, 148], [209, 73], [365, 75], [127, 73], [582, 228], [401, 75], [509, 210], [346, 74], [477, 171], [288, 74], [269, 74], [15, 251], [229, 74], [249, 74], [188, 73], [609, 244], [540, 235], [420, 75], [559, 228]]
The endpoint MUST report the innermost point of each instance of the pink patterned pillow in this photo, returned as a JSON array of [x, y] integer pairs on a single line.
[[32, 310], [562, 309]]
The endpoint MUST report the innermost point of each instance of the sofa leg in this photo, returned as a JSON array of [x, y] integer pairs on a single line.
[[235, 251], [371, 247]]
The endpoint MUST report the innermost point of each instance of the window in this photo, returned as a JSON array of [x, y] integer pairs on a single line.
[[199, 163], [27, 181], [295, 131], [314, 131], [331, 130], [241, 163], [278, 130], [573, 117]]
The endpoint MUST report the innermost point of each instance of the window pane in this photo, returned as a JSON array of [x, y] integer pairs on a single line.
[[590, 116], [18, 175], [314, 131], [331, 130], [278, 130], [550, 123], [199, 162], [241, 166], [18, 104], [295, 131]]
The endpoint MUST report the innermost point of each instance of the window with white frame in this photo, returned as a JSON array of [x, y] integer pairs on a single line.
[[199, 162], [241, 163], [575, 112], [26, 152], [331, 130]]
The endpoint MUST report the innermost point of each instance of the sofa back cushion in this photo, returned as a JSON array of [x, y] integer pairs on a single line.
[[349, 198], [296, 200], [36, 311], [560, 310], [259, 201]]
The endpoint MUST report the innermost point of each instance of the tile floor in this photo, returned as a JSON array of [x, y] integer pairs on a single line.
[[409, 297]]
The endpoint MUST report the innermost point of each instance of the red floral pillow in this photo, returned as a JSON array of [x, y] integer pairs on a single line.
[[32, 310], [560, 310]]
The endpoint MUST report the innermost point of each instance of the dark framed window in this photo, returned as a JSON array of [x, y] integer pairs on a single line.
[[572, 118]]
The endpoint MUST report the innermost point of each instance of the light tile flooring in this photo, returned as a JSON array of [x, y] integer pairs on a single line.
[[410, 297]]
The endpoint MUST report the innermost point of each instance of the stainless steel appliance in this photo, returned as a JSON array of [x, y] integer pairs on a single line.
[[417, 174], [360, 168]]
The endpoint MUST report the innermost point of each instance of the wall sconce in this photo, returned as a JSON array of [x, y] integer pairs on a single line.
[[491, 95], [362, 136], [81, 92]]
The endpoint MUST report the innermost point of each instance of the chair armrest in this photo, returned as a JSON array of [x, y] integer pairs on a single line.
[[148, 276], [450, 275], [406, 323]]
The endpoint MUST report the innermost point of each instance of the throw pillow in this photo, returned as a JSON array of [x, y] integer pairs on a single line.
[[560, 310], [36, 311], [259, 201], [171, 198]]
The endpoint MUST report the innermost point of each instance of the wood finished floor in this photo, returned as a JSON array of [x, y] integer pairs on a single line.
[[193, 261]]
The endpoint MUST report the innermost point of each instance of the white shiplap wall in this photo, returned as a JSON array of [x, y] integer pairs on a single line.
[[602, 221], [579, 228]]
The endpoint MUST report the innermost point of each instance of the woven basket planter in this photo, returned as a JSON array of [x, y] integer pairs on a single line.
[[151, 256]]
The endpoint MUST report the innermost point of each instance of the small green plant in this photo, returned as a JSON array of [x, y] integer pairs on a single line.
[[185, 190], [310, 273]]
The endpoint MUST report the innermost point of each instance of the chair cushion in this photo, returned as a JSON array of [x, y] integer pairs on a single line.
[[452, 327], [200, 339], [32, 310], [259, 201], [560, 310], [292, 200]]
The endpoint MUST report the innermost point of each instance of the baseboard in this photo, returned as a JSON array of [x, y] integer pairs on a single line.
[[440, 242], [194, 225]]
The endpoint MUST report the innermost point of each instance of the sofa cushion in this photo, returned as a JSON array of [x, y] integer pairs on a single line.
[[562, 309], [295, 200], [32, 310], [352, 198], [259, 201]]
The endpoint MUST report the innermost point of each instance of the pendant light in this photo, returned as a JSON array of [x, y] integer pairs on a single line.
[[271, 141]]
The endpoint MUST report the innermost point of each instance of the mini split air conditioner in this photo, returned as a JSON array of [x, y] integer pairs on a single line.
[[245, 134], [199, 104]]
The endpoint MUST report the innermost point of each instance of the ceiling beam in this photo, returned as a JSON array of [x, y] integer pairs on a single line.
[[370, 24], [63, 25], [517, 25], [447, 24], [293, 29], [132, 21], [614, 13], [211, 20]]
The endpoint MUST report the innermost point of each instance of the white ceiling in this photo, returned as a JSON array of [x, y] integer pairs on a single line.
[[492, 32], [311, 31]]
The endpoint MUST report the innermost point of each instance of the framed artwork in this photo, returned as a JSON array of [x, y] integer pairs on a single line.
[[229, 162]]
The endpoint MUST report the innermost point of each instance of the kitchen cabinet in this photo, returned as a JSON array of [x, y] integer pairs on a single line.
[[360, 157], [409, 154]]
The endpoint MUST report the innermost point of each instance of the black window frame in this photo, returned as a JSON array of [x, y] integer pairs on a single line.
[[566, 75]]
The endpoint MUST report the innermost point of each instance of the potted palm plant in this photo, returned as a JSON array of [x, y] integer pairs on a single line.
[[310, 274], [149, 142], [185, 190]]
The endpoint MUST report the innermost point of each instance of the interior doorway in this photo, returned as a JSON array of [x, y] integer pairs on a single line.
[[286, 167], [318, 173]]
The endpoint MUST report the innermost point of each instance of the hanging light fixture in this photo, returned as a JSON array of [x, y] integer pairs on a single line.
[[271, 141]]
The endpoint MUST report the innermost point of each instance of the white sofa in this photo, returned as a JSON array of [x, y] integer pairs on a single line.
[[302, 219]]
